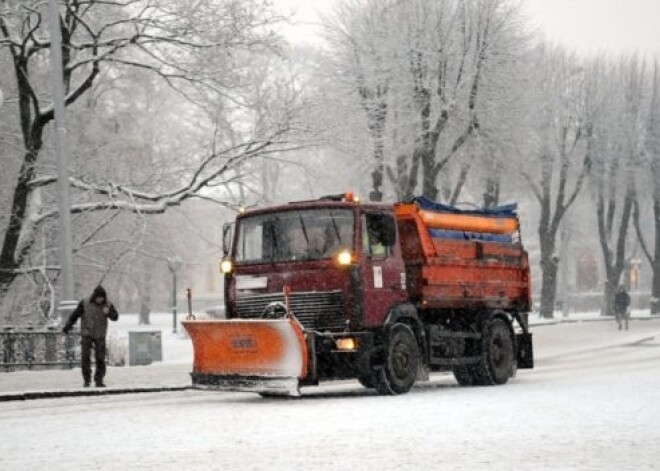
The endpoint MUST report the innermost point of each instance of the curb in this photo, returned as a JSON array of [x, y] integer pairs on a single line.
[[565, 320], [28, 396], [630, 343]]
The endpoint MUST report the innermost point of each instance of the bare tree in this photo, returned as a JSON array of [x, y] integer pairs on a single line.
[[651, 166], [453, 49], [358, 35], [419, 70], [618, 154], [200, 49], [562, 158]]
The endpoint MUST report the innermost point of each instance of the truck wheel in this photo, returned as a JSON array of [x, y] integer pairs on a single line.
[[399, 370], [497, 358]]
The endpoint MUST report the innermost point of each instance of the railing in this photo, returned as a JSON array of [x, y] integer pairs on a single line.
[[37, 347]]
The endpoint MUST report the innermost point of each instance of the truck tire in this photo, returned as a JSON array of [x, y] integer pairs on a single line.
[[399, 370], [496, 364]]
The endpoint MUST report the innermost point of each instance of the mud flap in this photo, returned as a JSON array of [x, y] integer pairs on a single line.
[[265, 356], [525, 355]]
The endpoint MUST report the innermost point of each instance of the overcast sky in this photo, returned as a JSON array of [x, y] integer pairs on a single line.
[[617, 26]]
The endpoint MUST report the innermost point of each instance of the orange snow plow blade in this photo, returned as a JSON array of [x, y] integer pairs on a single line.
[[267, 356]]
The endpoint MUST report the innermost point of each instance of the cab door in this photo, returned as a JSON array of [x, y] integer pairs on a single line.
[[383, 270]]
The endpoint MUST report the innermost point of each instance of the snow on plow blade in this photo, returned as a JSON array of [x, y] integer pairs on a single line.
[[267, 356]]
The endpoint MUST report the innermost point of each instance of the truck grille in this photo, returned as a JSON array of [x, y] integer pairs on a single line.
[[315, 310]]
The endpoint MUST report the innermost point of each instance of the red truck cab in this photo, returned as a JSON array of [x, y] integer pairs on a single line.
[[339, 259]]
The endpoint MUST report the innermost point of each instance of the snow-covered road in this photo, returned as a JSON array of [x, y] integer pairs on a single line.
[[583, 408]]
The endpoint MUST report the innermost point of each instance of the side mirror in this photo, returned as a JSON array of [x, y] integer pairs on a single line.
[[227, 237]]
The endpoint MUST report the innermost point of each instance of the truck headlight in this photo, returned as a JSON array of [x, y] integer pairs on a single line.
[[226, 266], [344, 258], [347, 343]]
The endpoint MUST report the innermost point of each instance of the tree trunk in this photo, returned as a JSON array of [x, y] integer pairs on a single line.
[[32, 134], [429, 185], [10, 261], [616, 264], [611, 284], [655, 290], [655, 265], [549, 289], [462, 178], [492, 193], [377, 175], [549, 268], [376, 127], [430, 189]]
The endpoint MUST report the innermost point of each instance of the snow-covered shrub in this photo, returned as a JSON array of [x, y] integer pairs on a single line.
[[117, 350]]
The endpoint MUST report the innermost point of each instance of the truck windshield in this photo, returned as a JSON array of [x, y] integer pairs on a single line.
[[311, 234]]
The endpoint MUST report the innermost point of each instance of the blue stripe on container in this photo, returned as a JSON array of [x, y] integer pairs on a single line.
[[462, 235]]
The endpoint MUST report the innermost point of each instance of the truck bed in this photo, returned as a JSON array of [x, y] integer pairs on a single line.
[[447, 273]]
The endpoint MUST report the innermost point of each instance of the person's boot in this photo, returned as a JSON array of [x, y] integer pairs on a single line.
[[100, 384], [86, 384]]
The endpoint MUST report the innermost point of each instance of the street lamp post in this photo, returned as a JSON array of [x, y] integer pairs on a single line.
[[173, 264], [62, 151]]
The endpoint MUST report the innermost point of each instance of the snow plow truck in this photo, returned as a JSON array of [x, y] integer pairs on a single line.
[[336, 289]]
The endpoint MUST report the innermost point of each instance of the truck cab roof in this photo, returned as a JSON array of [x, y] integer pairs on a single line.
[[320, 203]]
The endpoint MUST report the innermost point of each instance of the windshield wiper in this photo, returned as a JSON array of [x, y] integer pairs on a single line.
[[334, 224], [274, 248], [304, 230]]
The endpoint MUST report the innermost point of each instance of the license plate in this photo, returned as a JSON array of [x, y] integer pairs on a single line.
[[243, 342]]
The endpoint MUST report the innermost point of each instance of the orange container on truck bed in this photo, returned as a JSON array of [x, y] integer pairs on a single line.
[[469, 222], [461, 274]]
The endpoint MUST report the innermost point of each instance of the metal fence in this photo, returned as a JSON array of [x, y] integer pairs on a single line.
[[36, 347]]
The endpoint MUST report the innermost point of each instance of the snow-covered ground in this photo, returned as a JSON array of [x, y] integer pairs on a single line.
[[591, 403]]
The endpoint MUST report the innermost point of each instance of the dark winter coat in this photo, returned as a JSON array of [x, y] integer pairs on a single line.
[[93, 316], [621, 301]]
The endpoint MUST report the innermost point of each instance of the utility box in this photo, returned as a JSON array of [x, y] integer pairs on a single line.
[[144, 347]]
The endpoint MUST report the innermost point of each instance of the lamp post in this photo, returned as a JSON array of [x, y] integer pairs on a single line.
[[173, 264], [62, 151]]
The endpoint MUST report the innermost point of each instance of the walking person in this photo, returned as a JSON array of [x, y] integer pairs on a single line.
[[93, 314], [621, 303]]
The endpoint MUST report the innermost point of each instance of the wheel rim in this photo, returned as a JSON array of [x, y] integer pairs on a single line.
[[497, 352], [401, 360], [500, 353]]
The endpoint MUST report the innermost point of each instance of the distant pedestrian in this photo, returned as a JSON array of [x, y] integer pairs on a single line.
[[621, 303], [93, 314]]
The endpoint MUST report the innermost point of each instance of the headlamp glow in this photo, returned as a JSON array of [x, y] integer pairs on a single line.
[[348, 343], [344, 258], [226, 266]]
